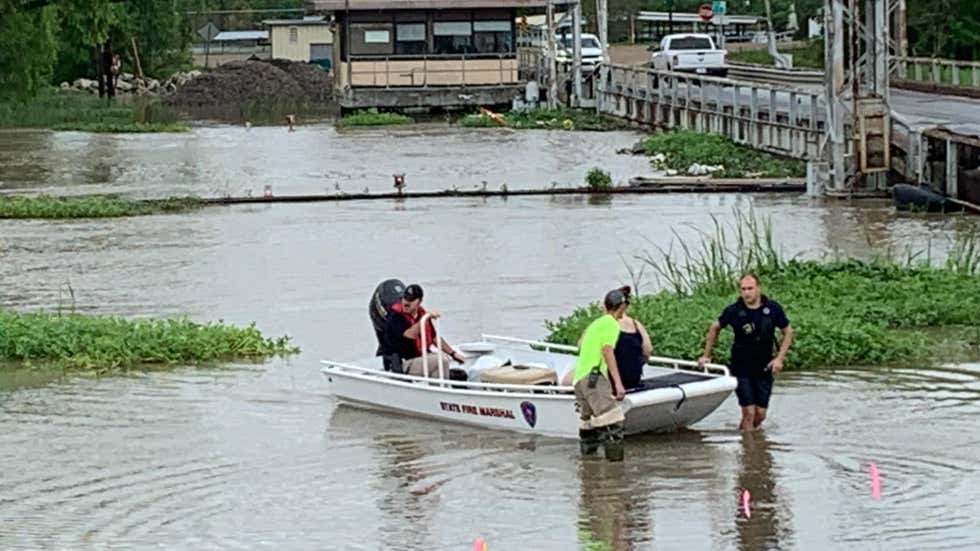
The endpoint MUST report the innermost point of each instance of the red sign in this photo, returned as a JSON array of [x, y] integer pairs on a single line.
[[705, 12]]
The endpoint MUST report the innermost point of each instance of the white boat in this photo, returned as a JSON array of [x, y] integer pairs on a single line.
[[675, 393]]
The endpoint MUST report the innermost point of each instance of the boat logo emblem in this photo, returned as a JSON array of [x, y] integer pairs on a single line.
[[530, 413]]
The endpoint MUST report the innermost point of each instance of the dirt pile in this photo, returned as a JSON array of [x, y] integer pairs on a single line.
[[242, 82]]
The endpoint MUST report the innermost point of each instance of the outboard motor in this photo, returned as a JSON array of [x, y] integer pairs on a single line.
[[387, 293]]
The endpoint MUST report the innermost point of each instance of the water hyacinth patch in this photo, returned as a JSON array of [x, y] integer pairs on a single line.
[[105, 343], [846, 312]]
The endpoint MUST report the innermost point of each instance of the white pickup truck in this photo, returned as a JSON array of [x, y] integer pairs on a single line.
[[690, 53]]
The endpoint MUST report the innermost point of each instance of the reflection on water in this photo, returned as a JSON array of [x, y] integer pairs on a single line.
[[615, 512], [767, 527]]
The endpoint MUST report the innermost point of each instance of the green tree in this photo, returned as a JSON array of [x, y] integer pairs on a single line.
[[27, 49]]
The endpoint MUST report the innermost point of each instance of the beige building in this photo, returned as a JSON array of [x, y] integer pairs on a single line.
[[408, 53], [307, 39]]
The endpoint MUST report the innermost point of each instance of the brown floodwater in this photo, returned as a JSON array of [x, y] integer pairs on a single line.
[[259, 456]]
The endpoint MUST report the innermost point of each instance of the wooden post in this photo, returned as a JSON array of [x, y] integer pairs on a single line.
[[136, 58], [901, 36]]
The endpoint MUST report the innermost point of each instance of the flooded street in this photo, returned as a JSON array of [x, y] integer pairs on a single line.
[[258, 456]]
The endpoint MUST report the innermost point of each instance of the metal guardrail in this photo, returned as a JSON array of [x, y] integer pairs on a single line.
[[772, 75], [943, 72]]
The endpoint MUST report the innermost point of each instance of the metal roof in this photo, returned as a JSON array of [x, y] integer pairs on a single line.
[[231, 36], [306, 20], [373, 5]]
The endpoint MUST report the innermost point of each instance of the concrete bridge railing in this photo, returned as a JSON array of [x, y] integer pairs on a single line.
[[779, 119]]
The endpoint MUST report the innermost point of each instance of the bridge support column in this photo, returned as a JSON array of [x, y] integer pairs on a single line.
[[952, 168]]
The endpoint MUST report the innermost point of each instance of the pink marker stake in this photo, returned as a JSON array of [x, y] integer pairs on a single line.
[[875, 481], [479, 545], [746, 498]]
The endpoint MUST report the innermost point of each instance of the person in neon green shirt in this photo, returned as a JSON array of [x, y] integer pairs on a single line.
[[596, 400]]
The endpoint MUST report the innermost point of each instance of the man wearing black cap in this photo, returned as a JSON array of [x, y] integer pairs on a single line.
[[403, 337], [601, 420]]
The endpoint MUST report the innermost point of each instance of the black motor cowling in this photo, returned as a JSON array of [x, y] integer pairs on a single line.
[[387, 293]]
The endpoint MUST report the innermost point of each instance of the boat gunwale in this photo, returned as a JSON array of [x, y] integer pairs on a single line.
[[479, 388]]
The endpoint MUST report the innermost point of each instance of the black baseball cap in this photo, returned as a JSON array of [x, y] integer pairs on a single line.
[[412, 292]]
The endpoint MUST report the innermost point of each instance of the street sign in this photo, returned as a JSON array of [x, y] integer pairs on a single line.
[[208, 32], [706, 12], [719, 7]]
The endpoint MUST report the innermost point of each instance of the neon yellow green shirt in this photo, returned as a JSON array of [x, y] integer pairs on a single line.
[[601, 332]]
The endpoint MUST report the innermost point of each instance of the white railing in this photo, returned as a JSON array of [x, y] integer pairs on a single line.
[[659, 361], [938, 71], [370, 373], [781, 119], [424, 71]]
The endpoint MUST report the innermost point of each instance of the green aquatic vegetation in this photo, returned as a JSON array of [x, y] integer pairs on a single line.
[[547, 119], [123, 128], [372, 117], [90, 206], [104, 343], [598, 179], [680, 149], [846, 312], [77, 110]]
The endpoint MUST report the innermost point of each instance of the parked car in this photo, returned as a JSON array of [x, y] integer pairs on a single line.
[[690, 53], [591, 50]]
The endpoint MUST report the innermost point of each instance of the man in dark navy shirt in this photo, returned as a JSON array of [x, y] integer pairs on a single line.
[[404, 337], [754, 318]]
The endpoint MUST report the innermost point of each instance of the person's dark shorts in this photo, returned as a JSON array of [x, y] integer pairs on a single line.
[[754, 391]]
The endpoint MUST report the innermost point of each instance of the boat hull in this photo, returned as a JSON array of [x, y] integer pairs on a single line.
[[547, 411]]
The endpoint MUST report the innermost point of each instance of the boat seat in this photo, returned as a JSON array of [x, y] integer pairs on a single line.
[[519, 375], [669, 380]]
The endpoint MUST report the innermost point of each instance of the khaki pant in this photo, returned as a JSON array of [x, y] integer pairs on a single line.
[[596, 406], [414, 366]]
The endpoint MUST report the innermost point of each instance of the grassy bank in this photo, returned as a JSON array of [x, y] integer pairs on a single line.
[[549, 119], [372, 117], [75, 341], [808, 56], [90, 206], [846, 312], [681, 149], [75, 110]]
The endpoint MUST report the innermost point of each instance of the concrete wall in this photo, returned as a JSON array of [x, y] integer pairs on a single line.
[[418, 72], [283, 47]]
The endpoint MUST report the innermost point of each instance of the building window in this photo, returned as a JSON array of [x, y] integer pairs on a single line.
[[452, 37], [293, 35], [377, 37], [493, 37], [371, 39], [410, 38]]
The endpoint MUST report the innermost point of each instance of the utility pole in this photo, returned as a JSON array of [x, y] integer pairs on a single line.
[[576, 99], [861, 72], [552, 56], [602, 19]]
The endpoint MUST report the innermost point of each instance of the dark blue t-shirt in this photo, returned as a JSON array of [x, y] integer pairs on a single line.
[[755, 335]]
